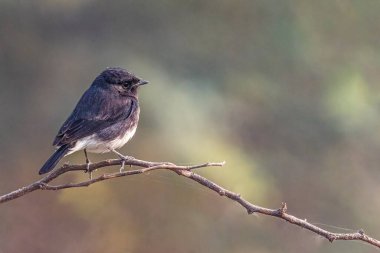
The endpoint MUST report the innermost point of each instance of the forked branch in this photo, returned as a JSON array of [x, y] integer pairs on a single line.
[[185, 171]]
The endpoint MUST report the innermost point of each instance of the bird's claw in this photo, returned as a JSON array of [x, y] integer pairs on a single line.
[[122, 166], [88, 170], [123, 159]]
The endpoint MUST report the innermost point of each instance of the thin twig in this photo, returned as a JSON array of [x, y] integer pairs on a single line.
[[185, 171]]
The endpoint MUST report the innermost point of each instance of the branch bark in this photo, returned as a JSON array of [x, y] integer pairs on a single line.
[[185, 171]]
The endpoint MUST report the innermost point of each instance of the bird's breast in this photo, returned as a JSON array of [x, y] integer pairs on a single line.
[[113, 137], [94, 144], [122, 139]]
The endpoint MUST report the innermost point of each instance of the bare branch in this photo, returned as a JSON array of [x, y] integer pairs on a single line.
[[185, 171]]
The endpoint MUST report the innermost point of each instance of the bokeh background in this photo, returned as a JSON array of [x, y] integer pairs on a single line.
[[285, 91]]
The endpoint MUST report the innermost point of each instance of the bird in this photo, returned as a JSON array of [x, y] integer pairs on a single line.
[[104, 119]]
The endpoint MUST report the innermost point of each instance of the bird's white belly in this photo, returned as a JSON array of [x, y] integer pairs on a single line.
[[95, 145]]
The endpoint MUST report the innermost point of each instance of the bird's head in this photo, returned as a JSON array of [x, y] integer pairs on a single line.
[[120, 80]]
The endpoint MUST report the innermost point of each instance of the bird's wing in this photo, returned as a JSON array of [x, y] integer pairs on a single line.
[[97, 109]]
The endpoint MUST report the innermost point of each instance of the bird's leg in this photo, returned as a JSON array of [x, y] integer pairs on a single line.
[[123, 157], [87, 164]]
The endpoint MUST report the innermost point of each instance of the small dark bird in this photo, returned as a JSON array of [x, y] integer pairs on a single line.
[[104, 119]]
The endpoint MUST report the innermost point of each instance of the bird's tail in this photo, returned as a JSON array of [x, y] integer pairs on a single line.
[[54, 159]]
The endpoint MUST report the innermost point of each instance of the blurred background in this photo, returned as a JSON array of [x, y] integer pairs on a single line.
[[286, 92]]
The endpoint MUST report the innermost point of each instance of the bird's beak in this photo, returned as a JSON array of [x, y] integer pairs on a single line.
[[142, 82]]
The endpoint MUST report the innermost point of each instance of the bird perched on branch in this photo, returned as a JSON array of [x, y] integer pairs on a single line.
[[104, 119]]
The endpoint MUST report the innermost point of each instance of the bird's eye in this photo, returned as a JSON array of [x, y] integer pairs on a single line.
[[127, 84]]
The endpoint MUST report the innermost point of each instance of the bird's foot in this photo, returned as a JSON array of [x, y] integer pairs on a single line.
[[124, 158], [88, 165], [88, 170]]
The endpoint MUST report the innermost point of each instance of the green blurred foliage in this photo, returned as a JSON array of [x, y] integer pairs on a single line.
[[286, 92]]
